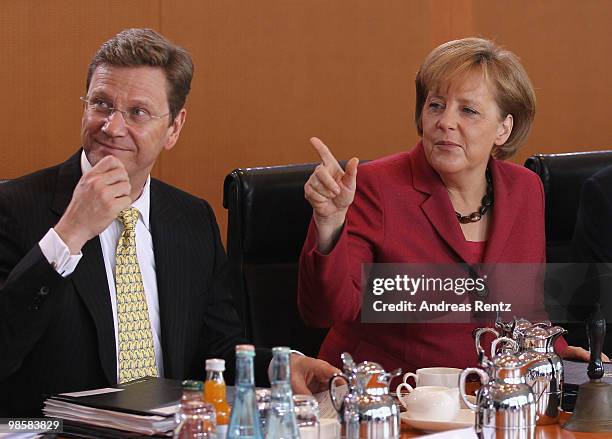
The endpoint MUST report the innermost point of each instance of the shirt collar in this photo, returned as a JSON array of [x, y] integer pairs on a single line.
[[143, 203]]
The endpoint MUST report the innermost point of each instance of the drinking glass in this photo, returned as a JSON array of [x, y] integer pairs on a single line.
[[307, 416], [197, 420], [263, 406]]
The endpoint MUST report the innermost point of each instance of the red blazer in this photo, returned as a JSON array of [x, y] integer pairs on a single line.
[[402, 214]]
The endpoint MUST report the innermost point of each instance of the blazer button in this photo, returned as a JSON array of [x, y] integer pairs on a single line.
[[44, 290], [34, 307]]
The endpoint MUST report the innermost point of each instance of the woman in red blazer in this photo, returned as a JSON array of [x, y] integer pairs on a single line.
[[451, 199]]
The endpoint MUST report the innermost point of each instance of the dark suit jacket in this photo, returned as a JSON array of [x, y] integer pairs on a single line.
[[593, 233], [56, 334], [402, 214], [592, 243]]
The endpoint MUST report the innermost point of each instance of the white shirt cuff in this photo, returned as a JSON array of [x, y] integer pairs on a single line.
[[58, 253]]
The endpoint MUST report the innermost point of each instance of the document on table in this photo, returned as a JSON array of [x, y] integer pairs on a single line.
[[326, 407], [463, 433], [92, 392]]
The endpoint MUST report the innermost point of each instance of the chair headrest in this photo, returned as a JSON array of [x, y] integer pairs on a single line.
[[270, 210], [562, 176]]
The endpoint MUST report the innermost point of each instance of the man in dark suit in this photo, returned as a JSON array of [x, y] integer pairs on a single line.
[[592, 244], [593, 233], [76, 312]]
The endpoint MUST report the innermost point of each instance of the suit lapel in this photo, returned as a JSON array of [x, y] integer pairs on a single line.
[[504, 214], [68, 176], [437, 207], [172, 274], [89, 278], [91, 283], [439, 210]]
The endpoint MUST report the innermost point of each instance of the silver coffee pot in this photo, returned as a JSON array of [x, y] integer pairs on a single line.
[[535, 342], [367, 411], [545, 376], [505, 404]]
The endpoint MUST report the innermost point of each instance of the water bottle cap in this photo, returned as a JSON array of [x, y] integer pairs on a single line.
[[281, 350], [245, 348], [215, 364]]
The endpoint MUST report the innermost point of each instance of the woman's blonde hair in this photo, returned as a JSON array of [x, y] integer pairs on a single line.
[[513, 90]]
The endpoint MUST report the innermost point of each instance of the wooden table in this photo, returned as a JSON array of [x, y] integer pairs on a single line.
[[547, 432]]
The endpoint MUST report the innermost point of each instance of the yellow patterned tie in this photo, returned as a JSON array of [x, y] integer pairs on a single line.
[[136, 353]]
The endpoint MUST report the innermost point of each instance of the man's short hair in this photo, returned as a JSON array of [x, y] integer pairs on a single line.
[[145, 47]]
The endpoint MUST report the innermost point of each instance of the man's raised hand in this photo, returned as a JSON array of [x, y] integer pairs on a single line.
[[99, 196]]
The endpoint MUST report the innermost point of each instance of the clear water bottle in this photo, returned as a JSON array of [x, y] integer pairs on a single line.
[[281, 423], [244, 419]]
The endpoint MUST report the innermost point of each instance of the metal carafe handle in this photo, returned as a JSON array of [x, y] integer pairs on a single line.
[[477, 336], [332, 391], [484, 380], [479, 349], [513, 345]]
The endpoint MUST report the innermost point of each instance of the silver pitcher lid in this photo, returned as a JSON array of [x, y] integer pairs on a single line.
[[536, 332], [529, 356], [539, 337], [510, 366], [369, 368], [522, 324], [508, 361], [372, 379], [517, 325]]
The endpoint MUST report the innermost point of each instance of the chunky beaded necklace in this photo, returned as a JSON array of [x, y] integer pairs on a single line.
[[485, 204]]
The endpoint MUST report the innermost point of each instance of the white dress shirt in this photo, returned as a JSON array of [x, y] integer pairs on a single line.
[[58, 255]]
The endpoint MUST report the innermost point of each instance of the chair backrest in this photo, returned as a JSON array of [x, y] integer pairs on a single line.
[[268, 219], [562, 176]]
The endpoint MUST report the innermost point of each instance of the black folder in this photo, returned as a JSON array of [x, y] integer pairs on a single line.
[[139, 397]]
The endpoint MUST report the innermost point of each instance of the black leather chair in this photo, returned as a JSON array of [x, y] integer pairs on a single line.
[[571, 288], [268, 218], [563, 176]]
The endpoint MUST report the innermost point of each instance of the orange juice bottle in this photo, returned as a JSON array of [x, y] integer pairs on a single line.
[[214, 393]]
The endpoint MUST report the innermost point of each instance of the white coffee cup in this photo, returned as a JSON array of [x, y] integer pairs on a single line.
[[430, 403], [434, 376]]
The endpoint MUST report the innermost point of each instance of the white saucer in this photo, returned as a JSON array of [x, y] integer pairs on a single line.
[[464, 418]]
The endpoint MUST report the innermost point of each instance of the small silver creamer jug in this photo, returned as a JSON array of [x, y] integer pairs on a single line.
[[367, 411], [505, 404]]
